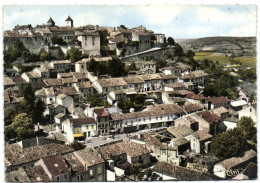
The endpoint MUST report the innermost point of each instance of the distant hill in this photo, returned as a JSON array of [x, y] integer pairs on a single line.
[[239, 46]]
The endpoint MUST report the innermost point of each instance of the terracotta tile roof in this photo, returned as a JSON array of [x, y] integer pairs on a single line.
[[196, 97], [176, 85], [53, 82], [202, 135], [178, 172], [56, 165], [192, 107], [80, 112], [132, 149], [84, 84], [156, 110], [16, 155], [180, 131], [88, 158], [38, 85], [179, 92], [82, 121], [180, 141], [75, 165], [219, 100], [133, 79], [18, 80], [37, 174], [164, 76], [101, 112], [68, 91], [210, 117], [69, 80], [79, 75], [220, 110], [8, 81], [234, 161], [112, 82], [169, 68], [17, 176], [161, 109]]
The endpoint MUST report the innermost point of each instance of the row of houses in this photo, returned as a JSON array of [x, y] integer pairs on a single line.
[[45, 160]]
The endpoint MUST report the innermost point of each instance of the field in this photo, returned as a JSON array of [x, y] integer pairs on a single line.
[[223, 59], [247, 61]]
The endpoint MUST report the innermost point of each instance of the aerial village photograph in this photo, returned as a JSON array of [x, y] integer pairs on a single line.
[[96, 93]]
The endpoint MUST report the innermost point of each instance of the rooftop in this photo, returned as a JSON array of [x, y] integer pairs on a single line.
[[56, 165], [37, 174], [234, 161], [82, 121], [180, 131], [202, 135], [88, 158], [16, 155], [210, 117], [76, 166], [178, 172], [101, 112], [132, 149], [112, 82], [219, 100]]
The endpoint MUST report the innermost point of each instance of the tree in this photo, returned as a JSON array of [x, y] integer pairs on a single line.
[[92, 65], [34, 108], [27, 57], [116, 67], [58, 40], [17, 49], [9, 133], [74, 54], [10, 113], [77, 146], [178, 50], [23, 126], [190, 54], [136, 169], [171, 41], [229, 144], [39, 108], [161, 63], [148, 172], [44, 56], [247, 126]]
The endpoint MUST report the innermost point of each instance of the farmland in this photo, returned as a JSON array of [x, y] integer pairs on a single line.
[[224, 59]]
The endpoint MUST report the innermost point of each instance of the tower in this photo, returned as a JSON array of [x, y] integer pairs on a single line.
[[69, 22], [50, 22]]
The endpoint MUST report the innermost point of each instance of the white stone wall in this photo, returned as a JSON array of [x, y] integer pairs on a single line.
[[219, 171], [91, 45]]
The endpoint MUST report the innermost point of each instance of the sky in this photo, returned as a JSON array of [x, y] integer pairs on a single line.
[[177, 21]]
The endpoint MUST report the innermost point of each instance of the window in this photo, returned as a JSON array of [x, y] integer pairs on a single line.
[[87, 127], [93, 40], [82, 66], [58, 179], [92, 126], [80, 177], [65, 176]]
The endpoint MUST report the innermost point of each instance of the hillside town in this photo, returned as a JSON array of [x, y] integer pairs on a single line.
[[96, 103]]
